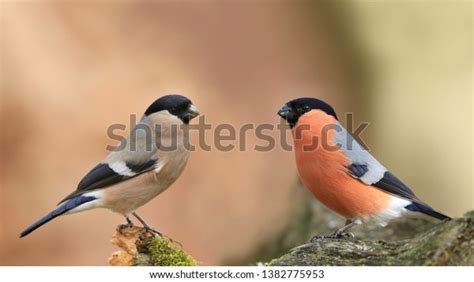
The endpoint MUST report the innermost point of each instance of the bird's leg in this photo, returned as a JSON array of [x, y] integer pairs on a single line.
[[129, 221], [146, 226], [128, 224], [150, 229], [339, 233]]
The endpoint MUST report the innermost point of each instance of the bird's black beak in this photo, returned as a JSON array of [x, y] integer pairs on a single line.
[[284, 112], [192, 112]]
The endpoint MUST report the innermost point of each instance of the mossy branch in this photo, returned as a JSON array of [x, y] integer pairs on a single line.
[[447, 243], [143, 248]]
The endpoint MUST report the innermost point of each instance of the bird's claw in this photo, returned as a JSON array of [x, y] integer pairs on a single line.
[[125, 226], [150, 230], [336, 235], [345, 235], [154, 232]]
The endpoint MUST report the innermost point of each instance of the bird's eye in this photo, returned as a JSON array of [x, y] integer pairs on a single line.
[[306, 108]]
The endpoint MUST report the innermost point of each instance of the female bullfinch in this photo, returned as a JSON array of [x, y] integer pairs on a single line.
[[138, 170], [340, 173]]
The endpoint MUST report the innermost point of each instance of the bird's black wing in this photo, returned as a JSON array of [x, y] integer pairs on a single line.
[[390, 183]]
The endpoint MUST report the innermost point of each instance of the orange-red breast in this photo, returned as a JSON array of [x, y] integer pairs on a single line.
[[340, 173]]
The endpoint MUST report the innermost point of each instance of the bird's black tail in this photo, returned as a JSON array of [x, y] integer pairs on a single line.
[[417, 207], [69, 205]]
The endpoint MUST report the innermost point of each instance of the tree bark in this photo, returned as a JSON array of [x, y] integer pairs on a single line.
[[447, 243]]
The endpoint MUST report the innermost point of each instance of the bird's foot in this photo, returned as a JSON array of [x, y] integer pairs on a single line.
[[154, 232], [335, 235], [125, 226], [149, 230], [129, 224]]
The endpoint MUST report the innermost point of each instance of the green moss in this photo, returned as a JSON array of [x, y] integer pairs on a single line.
[[160, 251]]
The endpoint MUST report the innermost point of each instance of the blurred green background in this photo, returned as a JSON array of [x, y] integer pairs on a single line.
[[71, 69]]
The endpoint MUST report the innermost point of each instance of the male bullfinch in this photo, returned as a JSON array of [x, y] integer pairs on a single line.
[[145, 164], [340, 173]]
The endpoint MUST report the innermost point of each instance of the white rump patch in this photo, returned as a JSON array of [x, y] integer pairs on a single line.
[[395, 209]]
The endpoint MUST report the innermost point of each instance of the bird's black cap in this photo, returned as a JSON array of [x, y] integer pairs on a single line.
[[177, 105], [292, 110]]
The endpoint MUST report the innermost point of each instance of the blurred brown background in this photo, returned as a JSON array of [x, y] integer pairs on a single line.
[[69, 70]]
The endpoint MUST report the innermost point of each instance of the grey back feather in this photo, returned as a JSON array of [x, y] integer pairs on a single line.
[[374, 171]]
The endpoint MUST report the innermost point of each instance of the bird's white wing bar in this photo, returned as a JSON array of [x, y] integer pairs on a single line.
[[122, 169]]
